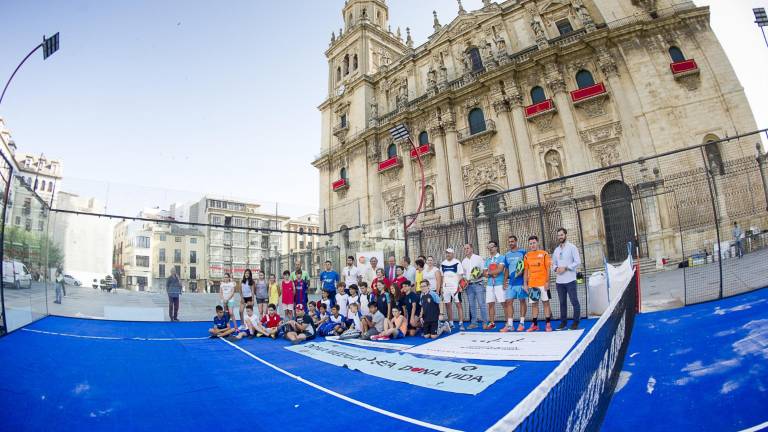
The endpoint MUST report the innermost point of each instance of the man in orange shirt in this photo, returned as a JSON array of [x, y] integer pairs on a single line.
[[537, 264]]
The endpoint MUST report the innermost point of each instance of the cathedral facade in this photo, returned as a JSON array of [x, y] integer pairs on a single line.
[[513, 94]]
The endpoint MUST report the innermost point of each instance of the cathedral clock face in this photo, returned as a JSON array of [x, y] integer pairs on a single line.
[[340, 90]]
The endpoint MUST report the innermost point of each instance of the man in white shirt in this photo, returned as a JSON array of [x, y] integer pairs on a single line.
[[351, 273], [565, 261], [452, 272], [368, 273], [410, 269], [475, 289]]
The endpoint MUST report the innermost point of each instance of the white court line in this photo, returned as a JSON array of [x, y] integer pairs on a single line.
[[112, 337], [756, 428], [343, 397]]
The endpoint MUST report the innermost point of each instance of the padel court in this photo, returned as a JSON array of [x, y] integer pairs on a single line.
[[75, 374], [704, 367]]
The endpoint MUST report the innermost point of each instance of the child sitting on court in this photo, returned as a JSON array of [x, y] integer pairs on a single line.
[[251, 322], [322, 315], [221, 327], [270, 323], [373, 323], [335, 324], [354, 326], [300, 329], [394, 328]]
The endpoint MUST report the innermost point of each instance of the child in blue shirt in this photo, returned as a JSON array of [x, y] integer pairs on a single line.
[[221, 327]]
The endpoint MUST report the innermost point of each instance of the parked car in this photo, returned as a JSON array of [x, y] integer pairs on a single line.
[[71, 280], [16, 275]]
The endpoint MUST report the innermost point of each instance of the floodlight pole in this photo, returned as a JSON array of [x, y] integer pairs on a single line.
[[50, 45], [16, 70]]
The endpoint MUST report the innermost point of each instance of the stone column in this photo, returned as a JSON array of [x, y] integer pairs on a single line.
[[374, 200], [441, 182], [455, 182], [523, 148], [411, 194], [631, 137], [574, 150], [506, 139]]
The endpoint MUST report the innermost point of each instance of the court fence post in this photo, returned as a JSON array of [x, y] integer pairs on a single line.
[[713, 197]]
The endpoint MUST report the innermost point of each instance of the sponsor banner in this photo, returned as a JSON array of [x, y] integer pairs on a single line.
[[441, 375], [537, 346], [372, 344], [364, 258]]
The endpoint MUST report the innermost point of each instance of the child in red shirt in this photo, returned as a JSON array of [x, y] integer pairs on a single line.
[[398, 281], [270, 323], [288, 292]]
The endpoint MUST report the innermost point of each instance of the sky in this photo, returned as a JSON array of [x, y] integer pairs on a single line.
[[153, 102]]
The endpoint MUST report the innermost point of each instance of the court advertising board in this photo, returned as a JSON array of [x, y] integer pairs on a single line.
[[536, 346], [454, 377]]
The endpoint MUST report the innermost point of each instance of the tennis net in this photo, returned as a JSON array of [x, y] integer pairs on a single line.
[[575, 396]]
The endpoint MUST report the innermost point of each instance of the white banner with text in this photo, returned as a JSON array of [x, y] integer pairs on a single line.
[[537, 346], [455, 377]]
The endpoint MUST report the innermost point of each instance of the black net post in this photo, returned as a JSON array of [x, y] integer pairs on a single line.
[[716, 216]]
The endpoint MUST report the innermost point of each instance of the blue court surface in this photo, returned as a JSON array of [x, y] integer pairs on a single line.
[[704, 367], [73, 374]]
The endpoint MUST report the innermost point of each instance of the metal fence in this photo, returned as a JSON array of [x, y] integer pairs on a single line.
[[678, 209]]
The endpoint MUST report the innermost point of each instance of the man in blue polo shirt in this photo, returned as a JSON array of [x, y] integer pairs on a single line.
[[494, 289], [513, 285], [329, 278]]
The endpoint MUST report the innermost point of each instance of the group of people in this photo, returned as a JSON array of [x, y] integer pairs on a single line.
[[407, 300]]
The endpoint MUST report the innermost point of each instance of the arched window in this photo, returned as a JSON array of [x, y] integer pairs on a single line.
[[35, 184], [391, 151], [43, 188], [477, 60], [343, 173], [338, 73], [354, 62], [346, 64], [584, 79], [676, 54], [538, 95], [50, 186], [476, 121], [423, 138]]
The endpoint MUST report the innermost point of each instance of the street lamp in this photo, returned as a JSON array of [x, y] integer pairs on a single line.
[[761, 20], [49, 45]]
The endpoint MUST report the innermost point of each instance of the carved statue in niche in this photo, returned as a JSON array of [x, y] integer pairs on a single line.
[[486, 50], [429, 199], [374, 109], [538, 29], [554, 165], [480, 208], [501, 45], [443, 74], [582, 13], [431, 77]]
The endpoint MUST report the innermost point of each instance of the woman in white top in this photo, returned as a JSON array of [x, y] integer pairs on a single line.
[[433, 275], [246, 292], [227, 296]]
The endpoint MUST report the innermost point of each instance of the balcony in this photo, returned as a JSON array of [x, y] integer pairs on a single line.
[[540, 108], [684, 68], [588, 93], [340, 130], [340, 185], [465, 135], [390, 163], [422, 150]]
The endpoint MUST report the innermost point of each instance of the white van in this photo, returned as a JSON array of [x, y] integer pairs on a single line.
[[16, 275]]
